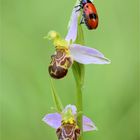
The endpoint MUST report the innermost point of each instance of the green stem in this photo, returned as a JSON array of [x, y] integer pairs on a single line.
[[79, 104], [79, 73]]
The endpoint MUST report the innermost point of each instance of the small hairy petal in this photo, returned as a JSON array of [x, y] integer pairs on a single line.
[[86, 55], [72, 107], [72, 32], [88, 125], [53, 120]]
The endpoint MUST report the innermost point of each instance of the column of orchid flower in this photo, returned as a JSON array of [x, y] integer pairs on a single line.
[[70, 122]]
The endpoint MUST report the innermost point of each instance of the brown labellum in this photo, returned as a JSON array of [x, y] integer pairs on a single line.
[[68, 132], [59, 64]]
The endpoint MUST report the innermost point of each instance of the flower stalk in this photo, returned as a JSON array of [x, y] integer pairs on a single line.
[[79, 73]]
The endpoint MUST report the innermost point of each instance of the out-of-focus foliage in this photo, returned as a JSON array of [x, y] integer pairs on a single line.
[[110, 91]]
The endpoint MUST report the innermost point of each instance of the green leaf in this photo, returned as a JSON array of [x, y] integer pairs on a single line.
[[56, 98]]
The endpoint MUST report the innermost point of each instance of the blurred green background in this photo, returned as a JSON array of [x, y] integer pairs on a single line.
[[110, 91]]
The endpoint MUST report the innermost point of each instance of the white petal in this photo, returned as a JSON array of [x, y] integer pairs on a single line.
[[72, 32], [88, 125], [53, 120], [86, 55]]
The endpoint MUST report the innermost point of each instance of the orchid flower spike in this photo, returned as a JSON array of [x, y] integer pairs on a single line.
[[67, 51], [65, 123]]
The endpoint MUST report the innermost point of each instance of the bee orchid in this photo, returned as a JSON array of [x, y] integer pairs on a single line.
[[67, 51], [65, 123]]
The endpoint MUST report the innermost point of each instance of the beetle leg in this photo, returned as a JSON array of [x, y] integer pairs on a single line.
[[82, 20], [79, 7]]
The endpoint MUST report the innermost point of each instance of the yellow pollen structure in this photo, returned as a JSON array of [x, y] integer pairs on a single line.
[[58, 42], [52, 35], [70, 120]]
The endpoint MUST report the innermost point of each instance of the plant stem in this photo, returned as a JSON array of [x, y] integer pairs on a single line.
[[79, 104], [79, 73]]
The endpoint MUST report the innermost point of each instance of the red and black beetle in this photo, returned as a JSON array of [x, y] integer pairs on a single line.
[[90, 15]]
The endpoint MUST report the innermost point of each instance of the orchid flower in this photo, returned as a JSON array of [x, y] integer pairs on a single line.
[[67, 51], [68, 116]]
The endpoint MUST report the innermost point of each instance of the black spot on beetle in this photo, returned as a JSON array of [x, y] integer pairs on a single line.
[[92, 16]]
